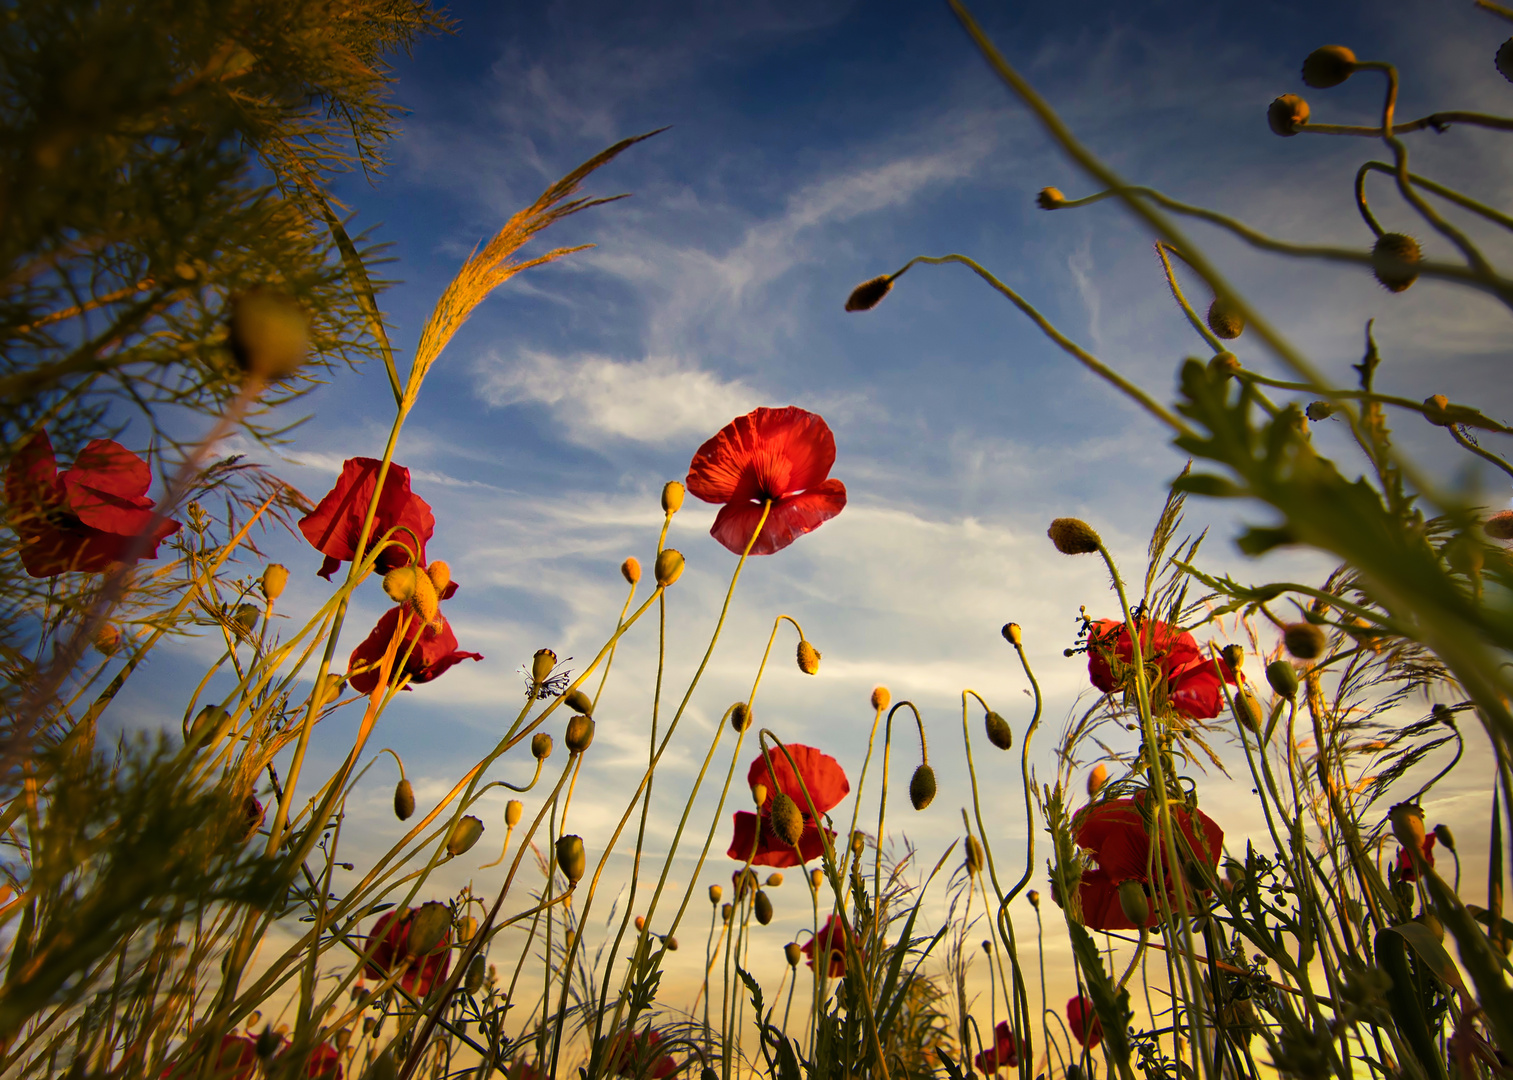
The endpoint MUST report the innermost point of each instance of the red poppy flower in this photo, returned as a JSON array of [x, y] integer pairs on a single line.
[[393, 933], [1193, 681], [1087, 1029], [235, 1060], [766, 849], [335, 524], [1405, 870], [1003, 1052], [84, 518], [637, 1056], [782, 456], [827, 785], [1114, 831], [832, 938], [324, 1063], [435, 649]]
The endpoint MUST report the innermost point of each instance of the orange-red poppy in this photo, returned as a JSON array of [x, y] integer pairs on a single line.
[[827, 785], [1086, 1028], [336, 522], [637, 1056], [1405, 868], [435, 649], [1003, 1052], [831, 940], [1115, 832], [393, 933], [1194, 682]]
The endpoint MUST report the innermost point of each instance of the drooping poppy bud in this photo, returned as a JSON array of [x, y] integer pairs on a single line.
[[1328, 66], [640, 922], [1096, 779], [672, 497], [669, 567], [404, 800], [1283, 678], [1012, 634], [542, 664], [428, 929], [816, 878], [869, 293], [1395, 259], [108, 639], [275, 577], [209, 724], [1225, 318], [1073, 537], [1408, 825], [464, 835], [1446, 838], [881, 698], [922, 787], [1437, 410], [809, 658], [1247, 711], [1033, 896], [1133, 902], [762, 908], [740, 716], [473, 981], [775, 879], [630, 570], [331, 687], [269, 334], [1504, 59], [514, 810], [246, 617], [715, 892], [541, 746], [1287, 115], [399, 584], [1224, 364], [792, 953], [670, 943], [974, 855], [999, 732], [579, 702], [1303, 640], [571, 858], [725, 912], [787, 821], [580, 734], [1319, 410], [1049, 198], [467, 926]]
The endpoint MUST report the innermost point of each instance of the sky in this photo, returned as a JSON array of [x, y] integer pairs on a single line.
[[810, 146]]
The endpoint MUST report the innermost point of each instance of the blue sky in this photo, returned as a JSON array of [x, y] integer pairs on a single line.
[[812, 145]]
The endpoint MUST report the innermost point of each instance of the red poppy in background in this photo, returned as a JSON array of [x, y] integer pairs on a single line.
[[782, 456], [832, 939], [84, 518], [827, 785], [434, 653], [393, 933], [335, 524], [1405, 870], [1003, 1052], [1193, 681], [235, 1060], [1083, 1020], [1114, 831], [637, 1056]]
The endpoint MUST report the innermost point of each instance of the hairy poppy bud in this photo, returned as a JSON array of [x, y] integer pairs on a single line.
[[1033, 896], [999, 732], [1049, 198], [774, 879], [330, 689], [404, 800], [793, 953], [762, 908], [1287, 115], [1319, 410], [974, 855], [881, 698], [1437, 410], [1283, 678], [428, 929], [1225, 318], [1504, 59], [858, 842], [425, 600], [269, 334], [1234, 656], [541, 746], [809, 658], [1328, 66], [399, 583], [579, 702], [580, 734], [1303, 640], [672, 497], [1073, 537], [1224, 364], [725, 912], [440, 574], [542, 664], [275, 577], [1408, 825], [787, 822], [1247, 711], [816, 878], [1012, 634], [570, 857], [630, 570], [1499, 526], [922, 787], [514, 810], [669, 567], [759, 794], [740, 716], [209, 724], [1394, 260], [867, 295], [246, 617], [715, 892], [473, 981], [464, 835], [1096, 779], [108, 639], [1446, 838], [1132, 902]]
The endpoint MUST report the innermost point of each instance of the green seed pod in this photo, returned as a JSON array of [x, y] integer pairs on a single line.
[[1328, 66], [473, 981], [762, 908], [430, 930], [541, 746], [404, 800], [1073, 537], [787, 821], [1408, 825], [1287, 115], [725, 912], [464, 835], [999, 732], [269, 334], [809, 658], [580, 733], [246, 617], [1012, 633], [1225, 318], [275, 577], [209, 725], [774, 879], [571, 858], [1234, 657], [1304, 640], [974, 855], [579, 702], [1247, 711], [1224, 365], [542, 664], [740, 716], [1445, 837], [922, 787], [869, 293], [1133, 902], [793, 953], [1283, 678], [669, 567], [1395, 258]]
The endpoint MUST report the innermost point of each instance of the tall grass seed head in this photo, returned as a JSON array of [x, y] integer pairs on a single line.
[[1096, 779], [630, 570], [740, 716], [580, 734], [762, 908], [542, 664], [1304, 640], [1073, 536], [715, 892], [1050, 198], [1133, 902], [1225, 318], [808, 658], [571, 857], [404, 800], [881, 698], [869, 293], [1328, 65], [464, 835], [974, 860], [999, 732], [1395, 259], [669, 567], [1287, 115], [275, 577], [922, 787], [514, 810], [774, 879], [541, 746], [269, 334], [792, 953], [429, 927], [672, 497], [399, 584], [787, 821], [108, 638], [579, 702], [440, 574], [1408, 825], [1504, 59], [1283, 678], [1012, 633]]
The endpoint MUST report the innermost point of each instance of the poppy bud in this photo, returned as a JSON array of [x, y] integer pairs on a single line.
[[1283, 678], [269, 334], [268, 1043], [759, 794], [1408, 825], [809, 658], [640, 923], [630, 570], [922, 787], [1012, 634], [1224, 364], [246, 617], [672, 497], [425, 600], [1504, 59], [793, 953], [670, 943], [1225, 318], [787, 822], [514, 810], [725, 912], [253, 813], [974, 855], [1033, 896], [1049, 198], [579, 702], [570, 857], [1319, 410], [999, 732], [1303, 640], [542, 664], [464, 835], [816, 878], [1394, 261], [473, 981], [467, 926], [1247, 711], [1328, 66], [775, 879], [1132, 902], [1432, 924], [1073, 537], [866, 296], [330, 689], [404, 800], [428, 929], [669, 567], [1096, 779], [858, 843], [580, 734], [541, 746], [881, 698], [1234, 656], [108, 639], [275, 577], [1446, 838], [744, 881], [715, 892], [740, 716], [1437, 410], [762, 908], [440, 574], [399, 583], [209, 724], [1287, 115]]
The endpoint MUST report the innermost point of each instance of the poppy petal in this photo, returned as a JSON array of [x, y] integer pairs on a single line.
[[110, 468], [335, 524], [789, 519], [823, 776], [764, 849]]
